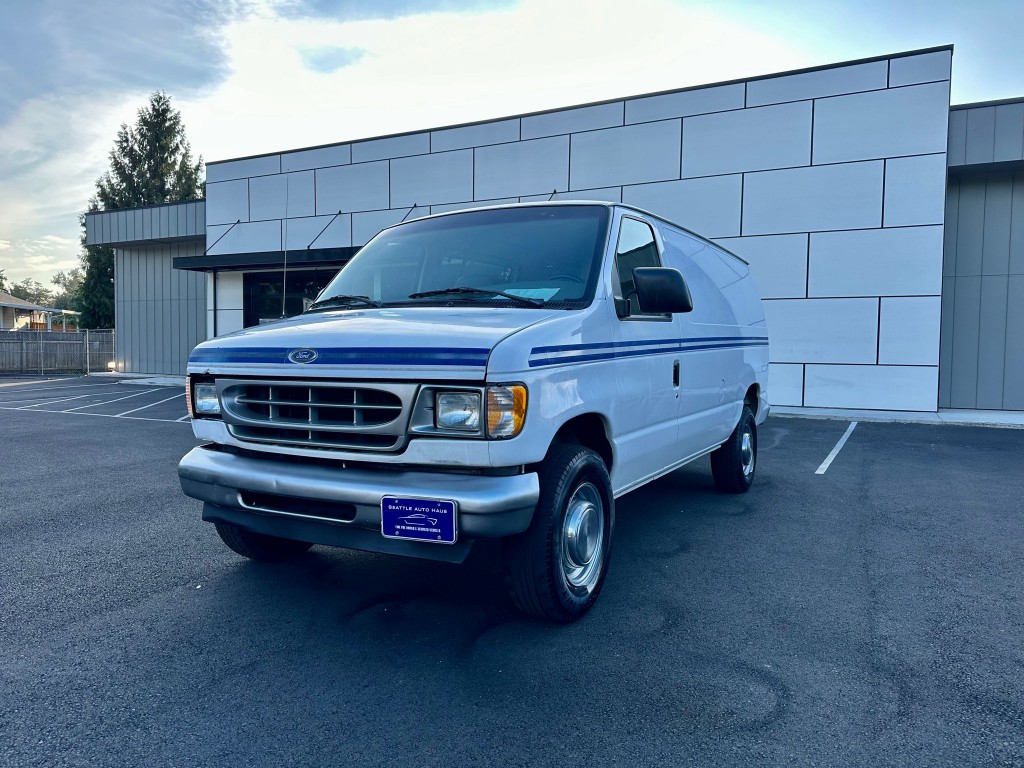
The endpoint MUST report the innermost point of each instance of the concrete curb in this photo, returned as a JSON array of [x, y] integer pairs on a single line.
[[998, 419]]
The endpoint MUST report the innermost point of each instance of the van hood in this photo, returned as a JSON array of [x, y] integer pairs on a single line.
[[405, 342]]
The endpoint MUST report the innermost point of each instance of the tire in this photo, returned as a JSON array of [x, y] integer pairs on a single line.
[[258, 546], [556, 568], [734, 462]]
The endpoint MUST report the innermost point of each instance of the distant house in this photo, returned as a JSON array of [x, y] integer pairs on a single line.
[[17, 314]]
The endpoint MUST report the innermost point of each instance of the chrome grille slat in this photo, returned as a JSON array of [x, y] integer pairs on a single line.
[[318, 414]]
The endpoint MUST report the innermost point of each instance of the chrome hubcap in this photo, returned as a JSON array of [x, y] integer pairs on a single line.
[[583, 539], [747, 453]]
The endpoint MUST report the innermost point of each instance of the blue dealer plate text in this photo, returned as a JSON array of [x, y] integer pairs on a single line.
[[418, 519]]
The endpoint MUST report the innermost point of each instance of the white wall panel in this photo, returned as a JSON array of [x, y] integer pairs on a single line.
[[822, 82], [923, 68], [468, 205], [747, 140], [439, 178], [785, 384], [822, 330], [299, 233], [632, 154], [366, 225], [362, 187], [241, 169], [915, 190], [909, 333], [709, 206], [524, 168], [698, 101], [777, 262], [226, 203], [877, 262], [606, 194], [571, 120], [480, 135], [890, 123], [323, 157], [847, 196], [229, 291], [395, 146], [270, 195], [872, 387], [228, 321], [255, 237]]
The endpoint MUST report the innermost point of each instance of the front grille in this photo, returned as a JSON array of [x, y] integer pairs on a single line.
[[317, 415]]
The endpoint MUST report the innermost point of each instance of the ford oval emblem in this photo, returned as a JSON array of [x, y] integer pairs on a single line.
[[302, 355]]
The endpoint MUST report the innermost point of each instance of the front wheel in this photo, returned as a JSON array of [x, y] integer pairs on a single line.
[[734, 461], [258, 546], [556, 568]]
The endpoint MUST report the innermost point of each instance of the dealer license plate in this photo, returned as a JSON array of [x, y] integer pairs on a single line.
[[432, 520]]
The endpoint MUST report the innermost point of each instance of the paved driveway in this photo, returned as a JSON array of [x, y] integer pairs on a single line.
[[870, 615]]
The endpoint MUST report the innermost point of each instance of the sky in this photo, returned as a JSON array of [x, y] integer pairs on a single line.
[[252, 76]]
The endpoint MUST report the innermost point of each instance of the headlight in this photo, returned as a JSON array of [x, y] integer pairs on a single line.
[[506, 410], [204, 400], [458, 410]]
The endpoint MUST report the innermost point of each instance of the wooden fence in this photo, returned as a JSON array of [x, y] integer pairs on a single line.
[[42, 352]]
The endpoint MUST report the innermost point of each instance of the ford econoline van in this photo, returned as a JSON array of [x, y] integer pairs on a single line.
[[503, 372]]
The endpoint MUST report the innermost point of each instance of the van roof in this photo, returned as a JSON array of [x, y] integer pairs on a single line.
[[604, 203]]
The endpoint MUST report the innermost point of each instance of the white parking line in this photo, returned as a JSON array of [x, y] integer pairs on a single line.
[[835, 451], [108, 402], [144, 407], [50, 389], [101, 415], [183, 418], [49, 402]]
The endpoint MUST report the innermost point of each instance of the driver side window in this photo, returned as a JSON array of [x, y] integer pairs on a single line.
[[636, 248]]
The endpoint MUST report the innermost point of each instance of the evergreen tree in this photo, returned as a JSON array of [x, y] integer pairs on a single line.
[[150, 162], [3, 281]]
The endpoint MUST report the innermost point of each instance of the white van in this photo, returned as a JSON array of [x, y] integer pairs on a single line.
[[499, 372]]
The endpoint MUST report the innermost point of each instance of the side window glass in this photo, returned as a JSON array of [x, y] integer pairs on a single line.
[[636, 248]]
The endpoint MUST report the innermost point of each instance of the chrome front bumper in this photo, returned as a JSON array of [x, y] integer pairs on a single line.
[[488, 506]]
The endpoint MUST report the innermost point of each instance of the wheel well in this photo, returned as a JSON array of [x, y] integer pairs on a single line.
[[589, 431], [752, 398]]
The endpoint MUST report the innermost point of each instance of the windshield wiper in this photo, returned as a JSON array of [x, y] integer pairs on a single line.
[[477, 292], [341, 300]]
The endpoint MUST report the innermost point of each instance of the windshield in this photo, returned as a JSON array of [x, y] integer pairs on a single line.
[[517, 257]]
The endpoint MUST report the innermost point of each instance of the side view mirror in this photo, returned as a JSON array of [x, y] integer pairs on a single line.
[[661, 290]]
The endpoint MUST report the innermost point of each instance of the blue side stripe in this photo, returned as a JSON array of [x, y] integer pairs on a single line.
[[684, 347], [645, 343], [472, 357]]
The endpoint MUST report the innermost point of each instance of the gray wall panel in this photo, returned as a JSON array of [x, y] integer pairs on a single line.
[[160, 312], [982, 329], [949, 231], [981, 127], [1013, 382], [1009, 133], [1017, 227], [957, 141], [970, 228], [963, 389], [991, 342], [995, 252], [946, 339]]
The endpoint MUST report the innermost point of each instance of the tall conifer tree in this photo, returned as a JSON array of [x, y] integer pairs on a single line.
[[151, 162]]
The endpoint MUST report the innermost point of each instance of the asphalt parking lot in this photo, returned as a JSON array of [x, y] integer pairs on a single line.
[[869, 615]]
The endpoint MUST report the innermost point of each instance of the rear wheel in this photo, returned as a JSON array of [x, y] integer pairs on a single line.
[[556, 568], [734, 461], [258, 546]]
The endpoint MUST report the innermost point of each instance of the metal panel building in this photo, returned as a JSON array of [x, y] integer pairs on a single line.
[[982, 360], [159, 311], [830, 181]]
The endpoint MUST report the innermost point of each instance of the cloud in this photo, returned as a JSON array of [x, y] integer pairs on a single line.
[[361, 10], [328, 60], [4, 245]]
